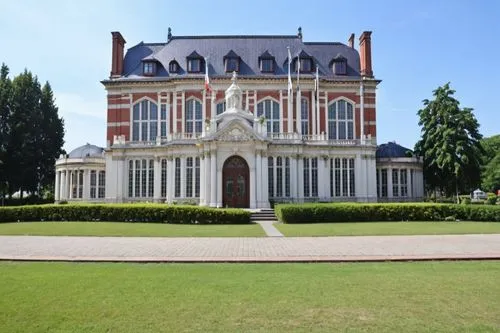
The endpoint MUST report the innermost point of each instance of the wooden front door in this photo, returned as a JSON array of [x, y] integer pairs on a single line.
[[235, 183]]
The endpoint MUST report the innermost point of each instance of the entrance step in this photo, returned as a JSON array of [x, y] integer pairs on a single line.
[[264, 215]]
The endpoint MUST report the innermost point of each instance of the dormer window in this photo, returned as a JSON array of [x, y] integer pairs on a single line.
[[173, 67], [194, 62], [149, 68], [305, 62], [339, 65], [232, 62], [266, 62]]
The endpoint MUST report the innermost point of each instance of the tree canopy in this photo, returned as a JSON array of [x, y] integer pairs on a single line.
[[490, 173], [450, 144], [31, 133]]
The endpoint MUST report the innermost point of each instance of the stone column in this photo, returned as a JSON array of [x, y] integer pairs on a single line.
[[202, 180], [62, 185], [213, 178], [207, 179], [300, 178], [258, 179], [253, 181], [322, 181], [219, 186], [183, 177], [264, 189], [293, 177], [170, 179], [86, 184], [157, 179], [56, 186]]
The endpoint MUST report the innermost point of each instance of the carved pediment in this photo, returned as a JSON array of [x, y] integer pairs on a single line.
[[236, 131]]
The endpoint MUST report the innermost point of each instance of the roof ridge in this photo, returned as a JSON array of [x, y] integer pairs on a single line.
[[324, 43], [234, 36]]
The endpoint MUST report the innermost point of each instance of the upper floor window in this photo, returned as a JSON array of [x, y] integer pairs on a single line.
[[266, 62], [306, 65], [221, 107], [340, 120], [232, 62], [173, 67], [193, 121], [271, 111], [304, 115], [339, 65], [144, 121], [194, 62], [149, 68]]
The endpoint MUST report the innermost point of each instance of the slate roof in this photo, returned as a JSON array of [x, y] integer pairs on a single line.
[[248, 48], [87, 150], [392, 150]]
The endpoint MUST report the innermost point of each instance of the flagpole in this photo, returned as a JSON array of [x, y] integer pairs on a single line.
[[290, 94], [298, 124], [317, 99]]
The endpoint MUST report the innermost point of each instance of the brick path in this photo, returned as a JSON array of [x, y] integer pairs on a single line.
[[270, 249]]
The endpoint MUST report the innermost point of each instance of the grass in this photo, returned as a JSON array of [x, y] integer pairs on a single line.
[[375, 297], [129, 229], [388, 228]]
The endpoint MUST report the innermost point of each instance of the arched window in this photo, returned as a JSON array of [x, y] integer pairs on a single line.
[[271, 111], [304, 115], [144, 121], [340, 120], [193, 119]]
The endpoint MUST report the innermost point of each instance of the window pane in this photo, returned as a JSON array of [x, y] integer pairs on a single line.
[[349, 111], [144, 110], [135, 131], [153, 130], [136, 111], [144, 129], [276, 110], [163, 112], [198, 113], [260, 109], [341, 105], [154, 111]]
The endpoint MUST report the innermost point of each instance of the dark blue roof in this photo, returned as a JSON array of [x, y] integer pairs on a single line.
[[392, 150], [248, 48]]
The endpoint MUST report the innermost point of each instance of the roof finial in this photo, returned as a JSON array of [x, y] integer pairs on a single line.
[[299, 34], [169, 35], [233, 79]]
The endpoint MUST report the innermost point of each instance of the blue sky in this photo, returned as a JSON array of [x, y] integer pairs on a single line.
[[416, 46]]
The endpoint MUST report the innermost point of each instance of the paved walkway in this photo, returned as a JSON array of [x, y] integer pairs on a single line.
[[270, 249], [269, 228]]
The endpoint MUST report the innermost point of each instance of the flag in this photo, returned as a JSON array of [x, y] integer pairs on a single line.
[[316, 80], [207, 79], [298, 72]]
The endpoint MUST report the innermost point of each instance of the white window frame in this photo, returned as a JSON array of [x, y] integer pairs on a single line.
[[336, 120]]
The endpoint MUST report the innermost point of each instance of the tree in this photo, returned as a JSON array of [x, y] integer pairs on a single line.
[[5, 93], [450, 144], [490, 175]]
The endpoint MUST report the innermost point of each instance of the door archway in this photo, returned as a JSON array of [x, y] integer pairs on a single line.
[[235, 183]]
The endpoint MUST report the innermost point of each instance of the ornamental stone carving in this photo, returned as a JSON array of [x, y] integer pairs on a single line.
[[235, 134]]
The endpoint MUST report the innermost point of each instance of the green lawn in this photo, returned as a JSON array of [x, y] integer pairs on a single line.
[[388, 228], [374, 297], [129, 229]]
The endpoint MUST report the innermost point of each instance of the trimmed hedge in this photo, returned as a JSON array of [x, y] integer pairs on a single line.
[[125, 213], [359, 212]]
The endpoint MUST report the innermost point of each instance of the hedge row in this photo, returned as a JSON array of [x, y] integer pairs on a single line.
[[125, 213], [357, 212]]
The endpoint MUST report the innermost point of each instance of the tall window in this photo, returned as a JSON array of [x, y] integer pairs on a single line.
[[163, 178], [177, 180], [145, 121], [287, 177], [221, 107], [193, 121], [270, 177], [340, 120], [304, 114], [279, 176], [192, 177], [271, 111], [342, 177], [163, 120], [140, 178], [310, 173], [403, 177], [93, 184], [101, 189], [383, 188], [395, 183]]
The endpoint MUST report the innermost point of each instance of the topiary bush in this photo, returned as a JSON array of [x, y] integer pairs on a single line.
[[358, 212], [125, 213]]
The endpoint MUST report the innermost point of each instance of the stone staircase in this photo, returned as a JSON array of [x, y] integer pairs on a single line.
[[266, 214]]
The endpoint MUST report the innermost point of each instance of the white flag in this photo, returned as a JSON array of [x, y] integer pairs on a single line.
[[289, 73]]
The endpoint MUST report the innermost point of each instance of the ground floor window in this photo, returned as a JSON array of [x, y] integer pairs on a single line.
[[164, 178], [192, 177], [279, 176], [77, 184], [342, 177], [141, 178], [310, 173]]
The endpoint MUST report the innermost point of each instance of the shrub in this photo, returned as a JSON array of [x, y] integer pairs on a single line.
[[125, 213], [492, 199], [358, 212]]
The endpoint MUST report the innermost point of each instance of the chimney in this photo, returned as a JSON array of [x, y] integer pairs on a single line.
[[350, 42], [117, 55], [365, 52]]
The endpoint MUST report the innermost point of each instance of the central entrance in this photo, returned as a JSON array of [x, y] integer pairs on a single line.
[[235, 181]]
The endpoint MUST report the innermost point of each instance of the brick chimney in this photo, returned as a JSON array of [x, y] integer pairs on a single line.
[[117, 56], [350, 42], [365, 53]]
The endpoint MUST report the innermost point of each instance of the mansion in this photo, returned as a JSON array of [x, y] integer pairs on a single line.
[[240, 121]]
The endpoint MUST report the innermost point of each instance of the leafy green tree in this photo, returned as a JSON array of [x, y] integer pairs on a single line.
[[450, 144], [5, 94], [490, 176]]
